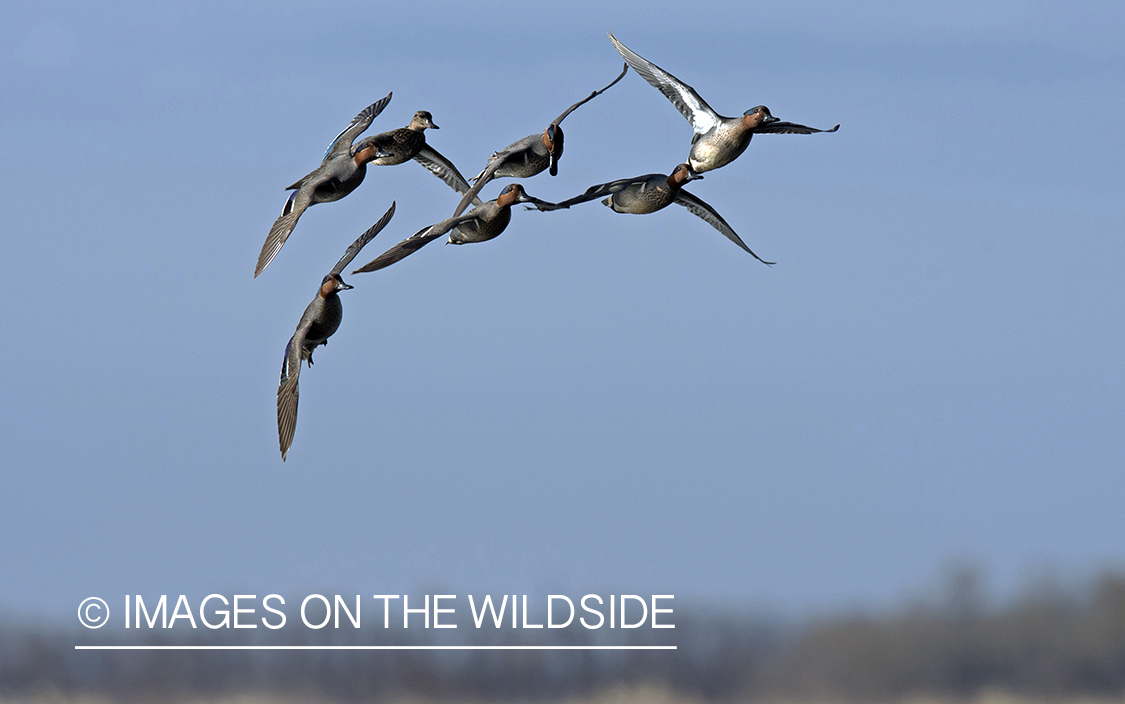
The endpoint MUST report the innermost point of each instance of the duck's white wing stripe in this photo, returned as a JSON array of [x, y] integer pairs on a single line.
[[702, 118]]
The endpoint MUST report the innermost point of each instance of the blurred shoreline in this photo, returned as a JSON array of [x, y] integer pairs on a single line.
[[1052, 645], [622, 694]]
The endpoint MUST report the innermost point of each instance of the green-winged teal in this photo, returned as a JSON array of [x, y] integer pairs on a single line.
[[480, 224], [320, 319], [531, 155], [406, 143], [647, 194], [718, 140], [340, 172]]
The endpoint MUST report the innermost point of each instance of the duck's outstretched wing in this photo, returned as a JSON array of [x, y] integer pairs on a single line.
[[789, 128], [343, 142], [590, 97], [412, 244], [683, 96], [366, 237], [287, 391], [444, 169], [521, 147], [698, 207], [282, 228]]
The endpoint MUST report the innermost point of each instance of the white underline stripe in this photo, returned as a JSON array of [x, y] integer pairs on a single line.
[[375, 647]]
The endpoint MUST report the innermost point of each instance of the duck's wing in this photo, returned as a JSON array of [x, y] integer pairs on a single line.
[[412, 244], [539, 204], [444, 169], [698, 207], [590, 97], [343, 142], [593, 192], [683, 96], [789, 128], [308, 177], [366, 237], [287, 391], [282, 228]]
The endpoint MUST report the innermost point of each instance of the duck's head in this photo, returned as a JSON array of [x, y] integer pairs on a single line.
[[681, 175], [511, 195], [514, 193], [421, 120], [757, 116], [553, 140], [331, 284]]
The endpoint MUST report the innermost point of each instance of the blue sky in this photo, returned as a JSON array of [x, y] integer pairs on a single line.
[[593, 401]]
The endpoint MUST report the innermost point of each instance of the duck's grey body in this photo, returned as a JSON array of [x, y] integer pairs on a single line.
[[523, 158], [482, 223], [649, 193], [340, 172], [320, 321], [531, 155]]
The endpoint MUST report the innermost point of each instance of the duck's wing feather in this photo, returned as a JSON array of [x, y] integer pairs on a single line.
[[444, 169], [343, 142], [366, 237], [593, 192], [696, 206], [307, 177], [412, 244], [287, 391], [789, 128], [282, 228], [683, 96], [590, 97]]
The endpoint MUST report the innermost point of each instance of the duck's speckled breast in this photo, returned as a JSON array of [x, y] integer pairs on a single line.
[[722, 146], [646, 197], [402, 143]]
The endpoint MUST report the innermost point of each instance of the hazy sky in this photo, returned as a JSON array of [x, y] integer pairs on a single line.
[[932, 372]]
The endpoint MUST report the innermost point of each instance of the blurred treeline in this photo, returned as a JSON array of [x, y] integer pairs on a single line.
[[1051, 643]]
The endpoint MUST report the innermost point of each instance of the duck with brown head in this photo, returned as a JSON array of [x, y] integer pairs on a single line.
[[320, 321], [480, 224], [649, 193], [340, 172], [531, 155], [717, 140]]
